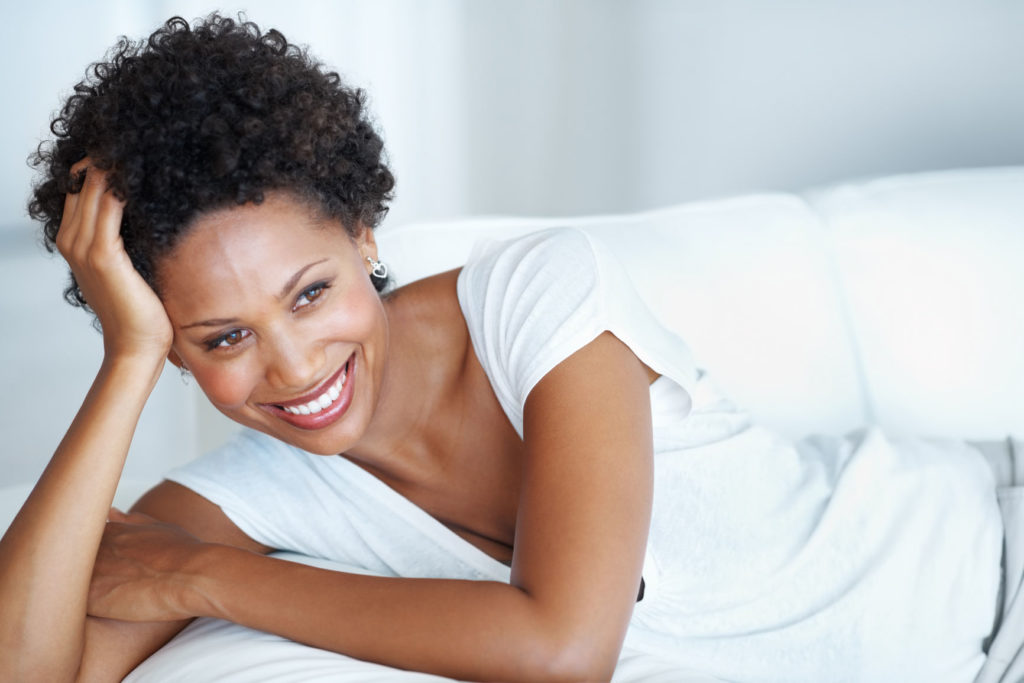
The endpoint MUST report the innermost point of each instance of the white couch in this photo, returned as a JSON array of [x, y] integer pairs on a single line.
[[896, 301], [893, 301]]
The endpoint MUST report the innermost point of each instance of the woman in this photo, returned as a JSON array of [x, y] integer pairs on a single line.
[[214, 192]]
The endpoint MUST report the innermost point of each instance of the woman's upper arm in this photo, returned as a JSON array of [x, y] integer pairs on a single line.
[[586, 497], [113, 648]]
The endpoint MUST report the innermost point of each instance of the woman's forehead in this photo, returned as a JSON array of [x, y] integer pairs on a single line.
[[279, 220], [253, 245]]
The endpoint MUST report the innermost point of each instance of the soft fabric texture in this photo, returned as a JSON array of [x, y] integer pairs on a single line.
[[1005, 661], [839, 559], [216, 651]]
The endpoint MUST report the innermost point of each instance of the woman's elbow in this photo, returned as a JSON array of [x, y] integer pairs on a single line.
[[577, 658]]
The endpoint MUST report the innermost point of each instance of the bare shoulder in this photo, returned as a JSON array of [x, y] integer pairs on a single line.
[[432, 292], [427, 321]]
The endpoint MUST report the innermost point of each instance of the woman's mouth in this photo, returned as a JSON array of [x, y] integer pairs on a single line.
[[323, 401], [324, 406]]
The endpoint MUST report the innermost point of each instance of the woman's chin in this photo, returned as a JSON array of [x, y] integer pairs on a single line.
[[316, 441]]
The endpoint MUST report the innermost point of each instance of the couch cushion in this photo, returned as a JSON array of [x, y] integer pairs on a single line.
[[933, 271], [743, 281]]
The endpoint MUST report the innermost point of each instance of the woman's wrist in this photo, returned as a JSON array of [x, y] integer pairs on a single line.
[[209, 565], [155, 347], [143, 365]]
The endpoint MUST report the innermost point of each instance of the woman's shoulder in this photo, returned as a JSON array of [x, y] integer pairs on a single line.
[[426, 315], [554, 270], [514, 283], [532, 301], [553, 252]]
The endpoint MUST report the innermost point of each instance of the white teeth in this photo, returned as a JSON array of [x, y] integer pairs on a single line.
[[322, 402]]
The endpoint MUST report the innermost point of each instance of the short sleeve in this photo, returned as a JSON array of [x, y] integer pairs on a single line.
[[532, 302], [246, 477], [289, 499], [328, 507]]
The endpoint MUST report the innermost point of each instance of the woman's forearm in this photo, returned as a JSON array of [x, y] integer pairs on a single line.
[[47, 554], [470, 630]]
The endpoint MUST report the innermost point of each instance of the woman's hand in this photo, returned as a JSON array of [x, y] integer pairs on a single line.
[[141, 571], [133, 318]]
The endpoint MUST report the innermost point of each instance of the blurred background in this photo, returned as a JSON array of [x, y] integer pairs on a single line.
[[530, 107]]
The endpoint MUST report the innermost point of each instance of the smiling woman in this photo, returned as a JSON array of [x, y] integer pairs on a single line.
[[278, 320], [214, 192]]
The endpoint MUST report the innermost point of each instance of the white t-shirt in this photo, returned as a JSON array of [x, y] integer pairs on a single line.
[[832, 559]]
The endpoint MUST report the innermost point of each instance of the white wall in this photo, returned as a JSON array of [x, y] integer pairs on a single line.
[[535, 107], [50, 355], [580, 106], [652, 102]]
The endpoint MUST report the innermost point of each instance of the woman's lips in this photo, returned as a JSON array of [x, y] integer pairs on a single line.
[[322, 407]]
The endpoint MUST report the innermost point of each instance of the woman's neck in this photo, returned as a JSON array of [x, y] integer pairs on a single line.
[[421, 386]]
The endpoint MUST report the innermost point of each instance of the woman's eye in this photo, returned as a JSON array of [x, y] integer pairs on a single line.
[[228, 340], [311, 295]]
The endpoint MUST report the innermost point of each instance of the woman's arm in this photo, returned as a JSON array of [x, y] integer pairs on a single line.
[[580, 537], [46, 555], [114, 647]]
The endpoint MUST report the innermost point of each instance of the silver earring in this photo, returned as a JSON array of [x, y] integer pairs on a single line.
[[378, 269], [185, 374]]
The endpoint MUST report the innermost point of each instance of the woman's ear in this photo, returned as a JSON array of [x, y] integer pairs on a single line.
[[366, 243], [175, 359]]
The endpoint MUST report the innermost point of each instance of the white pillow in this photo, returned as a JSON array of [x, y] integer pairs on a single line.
[[221, 652]]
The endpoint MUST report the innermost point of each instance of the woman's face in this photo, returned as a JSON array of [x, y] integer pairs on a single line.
[[276, 317]]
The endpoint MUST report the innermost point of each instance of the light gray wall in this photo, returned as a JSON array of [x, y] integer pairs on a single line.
[[534, 107], [583, 106], [652, 102], [50, 355]]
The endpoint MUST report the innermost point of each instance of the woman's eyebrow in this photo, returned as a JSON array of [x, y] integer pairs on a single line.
[[293, 280], [288, 286], [214, 322]]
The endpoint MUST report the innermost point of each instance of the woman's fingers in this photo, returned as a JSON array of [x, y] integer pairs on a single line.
[[81, 165], [107, 225], [132, 317], [87, 211], [78, 222], [90, 211], [137, 573], [66, 232]]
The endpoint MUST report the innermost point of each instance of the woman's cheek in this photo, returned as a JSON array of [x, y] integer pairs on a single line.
[[227, 388], [355, 319], [362, 321]]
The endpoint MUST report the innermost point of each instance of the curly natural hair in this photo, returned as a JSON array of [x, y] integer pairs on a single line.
[[197, 118]]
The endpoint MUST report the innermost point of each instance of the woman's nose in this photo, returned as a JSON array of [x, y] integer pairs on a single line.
[[294, 365]]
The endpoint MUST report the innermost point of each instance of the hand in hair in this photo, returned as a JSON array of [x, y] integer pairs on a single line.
[[132, 317]]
